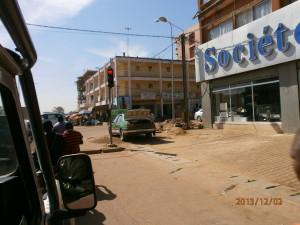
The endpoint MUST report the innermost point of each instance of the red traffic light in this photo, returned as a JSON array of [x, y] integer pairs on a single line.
[[110, 71], [110, 77]]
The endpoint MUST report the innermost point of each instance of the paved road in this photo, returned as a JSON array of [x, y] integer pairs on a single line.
[[141, 187]]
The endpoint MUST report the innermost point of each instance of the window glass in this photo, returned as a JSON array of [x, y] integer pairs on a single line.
[[116, 119], [262, 9], [221, 101], [8, 158], [241, 104], [219, 30], [237, 103], [244, 18], [267, 102]]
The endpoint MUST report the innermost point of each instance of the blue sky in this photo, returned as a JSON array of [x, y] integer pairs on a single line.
[[65, 55]]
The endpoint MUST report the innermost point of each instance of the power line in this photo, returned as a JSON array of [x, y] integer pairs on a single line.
[[163, 50], [97, 31]]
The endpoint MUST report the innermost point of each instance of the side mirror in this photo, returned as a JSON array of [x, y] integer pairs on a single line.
[[76, 181]]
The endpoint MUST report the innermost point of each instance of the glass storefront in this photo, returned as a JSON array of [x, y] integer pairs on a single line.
[[252, 101]]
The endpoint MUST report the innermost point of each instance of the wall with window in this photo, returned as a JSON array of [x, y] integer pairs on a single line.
[[219, 17]]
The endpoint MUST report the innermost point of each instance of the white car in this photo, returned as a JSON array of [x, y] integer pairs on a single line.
[[198, 115]]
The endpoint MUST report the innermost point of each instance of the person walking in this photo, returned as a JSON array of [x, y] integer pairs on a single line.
[[55, 142], [72, 140], [59, 127]]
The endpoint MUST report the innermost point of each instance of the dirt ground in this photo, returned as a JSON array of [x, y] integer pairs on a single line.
[[195, 177], [262, 156]]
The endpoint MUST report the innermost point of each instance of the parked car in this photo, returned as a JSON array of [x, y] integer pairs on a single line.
[[51, 116], [133, 122], [198, 115]]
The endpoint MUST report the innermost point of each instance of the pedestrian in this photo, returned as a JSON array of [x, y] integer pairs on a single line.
[[295, 154], [72, 140], [55, 142], [59, 127]]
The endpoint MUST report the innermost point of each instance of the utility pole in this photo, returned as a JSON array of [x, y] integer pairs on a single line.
[[185, 97]]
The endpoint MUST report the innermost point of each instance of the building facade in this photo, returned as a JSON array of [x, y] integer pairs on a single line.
[[248, 62], [140, 83]]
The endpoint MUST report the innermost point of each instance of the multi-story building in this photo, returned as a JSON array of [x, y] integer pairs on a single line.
[[192, 39], [248, 63], [140, 83]]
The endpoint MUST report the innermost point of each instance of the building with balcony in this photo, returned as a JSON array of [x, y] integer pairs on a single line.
[[247, 63], [140, 83]]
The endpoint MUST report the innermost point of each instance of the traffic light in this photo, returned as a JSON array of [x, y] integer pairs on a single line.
[[110, 77]]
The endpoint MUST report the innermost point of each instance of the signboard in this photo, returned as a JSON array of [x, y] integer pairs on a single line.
[[270, 40], [148, 95]]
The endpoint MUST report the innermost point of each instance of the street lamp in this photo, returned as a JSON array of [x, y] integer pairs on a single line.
[[182, 39], [164, 20]]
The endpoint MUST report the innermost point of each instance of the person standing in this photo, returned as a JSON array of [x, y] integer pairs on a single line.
[[72, 140], [59, 127], [55, 142]]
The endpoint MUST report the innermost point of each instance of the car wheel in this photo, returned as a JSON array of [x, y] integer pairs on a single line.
[[122, 136]]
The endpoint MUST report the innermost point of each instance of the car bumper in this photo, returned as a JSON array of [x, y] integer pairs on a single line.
[[140, 131]]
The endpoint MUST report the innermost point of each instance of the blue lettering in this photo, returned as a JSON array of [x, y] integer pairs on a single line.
[[297, 33], [236, 53], [265, 42], [210, 60], [279, 35], [251, 44], [223, 58]]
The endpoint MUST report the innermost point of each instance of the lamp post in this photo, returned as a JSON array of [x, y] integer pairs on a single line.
[[182, 40], [164, 20]]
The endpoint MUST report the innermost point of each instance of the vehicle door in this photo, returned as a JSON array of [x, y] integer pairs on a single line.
[[21, 202], [114, 125]]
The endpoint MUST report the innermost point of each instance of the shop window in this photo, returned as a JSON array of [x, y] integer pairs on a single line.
[[241, 104], [220, 29], [267, 102], [253, 101]]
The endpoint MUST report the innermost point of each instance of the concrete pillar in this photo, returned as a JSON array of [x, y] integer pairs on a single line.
[[129, 81], [206, 103], [161, 90], [289, 97]]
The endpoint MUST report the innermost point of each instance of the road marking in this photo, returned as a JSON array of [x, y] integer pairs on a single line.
[[170, 157]]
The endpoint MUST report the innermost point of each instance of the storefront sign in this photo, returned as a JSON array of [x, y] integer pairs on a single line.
[[252, 46], [148, 95]]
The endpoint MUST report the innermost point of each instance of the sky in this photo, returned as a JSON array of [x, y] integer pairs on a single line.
[[65, 55]]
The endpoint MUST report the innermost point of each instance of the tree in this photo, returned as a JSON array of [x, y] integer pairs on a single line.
[[58, 109]]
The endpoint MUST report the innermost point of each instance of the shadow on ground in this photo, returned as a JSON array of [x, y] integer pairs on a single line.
[[91, 217], [146, 140], [92, 152], [94, 217], [103, 193]]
